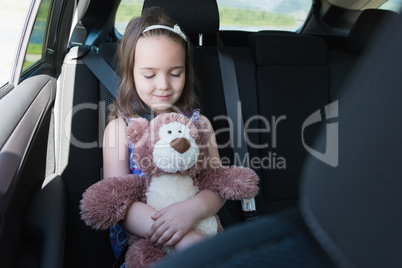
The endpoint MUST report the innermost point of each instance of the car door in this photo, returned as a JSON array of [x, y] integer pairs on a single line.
[[32, 199]]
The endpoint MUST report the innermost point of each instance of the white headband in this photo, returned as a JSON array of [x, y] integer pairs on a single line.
[[175, 29]]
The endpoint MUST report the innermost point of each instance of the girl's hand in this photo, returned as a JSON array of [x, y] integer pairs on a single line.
[[172, 223], [176, 220], [189, 239]]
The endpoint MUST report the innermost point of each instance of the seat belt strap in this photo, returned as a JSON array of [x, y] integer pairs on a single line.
[[106, 75], [102, 70], [234, 111]]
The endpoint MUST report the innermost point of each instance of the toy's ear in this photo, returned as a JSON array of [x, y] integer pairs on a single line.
[[135, 129], [204, 131]]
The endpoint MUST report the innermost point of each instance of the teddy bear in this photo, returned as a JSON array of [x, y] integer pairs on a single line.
[[172, 151]]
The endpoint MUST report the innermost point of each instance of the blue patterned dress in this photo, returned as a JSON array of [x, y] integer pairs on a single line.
[[118, 235]]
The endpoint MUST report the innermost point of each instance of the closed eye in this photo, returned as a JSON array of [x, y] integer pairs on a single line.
[[176, 75], [149, 76]]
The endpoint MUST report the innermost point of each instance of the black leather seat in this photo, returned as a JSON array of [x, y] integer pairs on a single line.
[[292, 83]]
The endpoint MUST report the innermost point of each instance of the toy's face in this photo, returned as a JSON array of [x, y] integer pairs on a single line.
[[176, 150], [169, 143]]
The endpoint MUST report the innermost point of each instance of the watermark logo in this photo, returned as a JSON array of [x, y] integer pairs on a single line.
[[271, 128], [331, 155]]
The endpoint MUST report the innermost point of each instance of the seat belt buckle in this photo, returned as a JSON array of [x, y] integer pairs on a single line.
[[249, 209], [248, 205]]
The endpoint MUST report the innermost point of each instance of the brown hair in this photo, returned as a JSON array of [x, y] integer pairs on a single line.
[[128, 100]]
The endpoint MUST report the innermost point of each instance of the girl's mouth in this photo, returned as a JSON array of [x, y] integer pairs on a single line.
[[163, 98]]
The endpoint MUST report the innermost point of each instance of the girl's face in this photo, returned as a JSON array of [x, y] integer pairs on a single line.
[[159, 72]]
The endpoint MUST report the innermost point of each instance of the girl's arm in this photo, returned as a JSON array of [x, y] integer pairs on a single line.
[[115, 150], [175, 221]]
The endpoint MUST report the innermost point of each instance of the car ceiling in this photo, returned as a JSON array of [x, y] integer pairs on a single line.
[[357, 4]]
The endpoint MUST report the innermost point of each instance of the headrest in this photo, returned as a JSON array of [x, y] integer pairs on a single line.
[[279, 48], [367, 25], [193, 16]]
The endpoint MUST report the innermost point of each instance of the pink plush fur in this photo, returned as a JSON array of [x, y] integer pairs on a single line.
[[233, 182], [105, 203], [136, 129], [143, 254]]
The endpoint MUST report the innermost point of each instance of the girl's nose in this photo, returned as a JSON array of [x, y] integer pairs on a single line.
[[163, 82]]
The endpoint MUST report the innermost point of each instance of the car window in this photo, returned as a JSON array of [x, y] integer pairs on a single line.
[[37, 39], [127, 10], [12, 18], [256, 15], [393, 5], [253, 15]]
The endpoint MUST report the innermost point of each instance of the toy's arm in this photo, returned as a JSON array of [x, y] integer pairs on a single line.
[[233, 182], [105, 203]]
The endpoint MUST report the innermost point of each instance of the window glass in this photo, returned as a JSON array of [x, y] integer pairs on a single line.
[[251, 15], [127, 10], [255, 15], [394, 5], [12, 18], [37, 39]]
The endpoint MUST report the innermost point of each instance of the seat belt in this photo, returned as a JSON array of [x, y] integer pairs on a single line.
[[234, 111], [102, 70], [106, 75]]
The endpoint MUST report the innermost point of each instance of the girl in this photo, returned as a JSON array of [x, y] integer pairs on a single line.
[[155, 60]]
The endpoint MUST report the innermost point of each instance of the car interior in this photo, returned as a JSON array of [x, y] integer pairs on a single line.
[[326, 212]]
